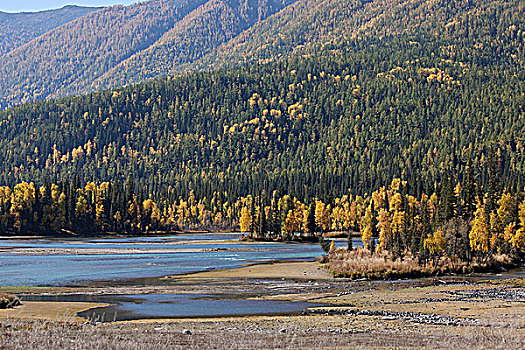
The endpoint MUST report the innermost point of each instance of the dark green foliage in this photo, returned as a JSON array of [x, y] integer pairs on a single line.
[[311, 226], [325, 244]]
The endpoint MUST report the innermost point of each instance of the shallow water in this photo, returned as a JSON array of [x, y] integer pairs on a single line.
[[134, 307], [75, 269]]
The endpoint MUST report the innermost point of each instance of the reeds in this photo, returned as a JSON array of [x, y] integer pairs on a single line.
[[361, 263]]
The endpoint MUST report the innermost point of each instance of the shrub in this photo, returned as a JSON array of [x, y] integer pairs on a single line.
[[8, 301]]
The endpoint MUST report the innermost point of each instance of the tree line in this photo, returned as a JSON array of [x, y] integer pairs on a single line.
[[460, 220]]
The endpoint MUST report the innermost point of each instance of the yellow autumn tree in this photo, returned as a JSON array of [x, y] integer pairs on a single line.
[[384, 226], [398, 219], [479, 235], [322, 215], [500, 221], [348, 214], [366, 228], [61, 210], [245, 220], [295, 219], [22, 201], [435, 243], [517, 240], [183, 213], [151, 214], [337, 216], [5, 204]]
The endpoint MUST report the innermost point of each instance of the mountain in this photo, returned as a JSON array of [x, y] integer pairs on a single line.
[[419, 91], [201, 31], [119, 45], [67, 59], [17, 29], [304, 25]]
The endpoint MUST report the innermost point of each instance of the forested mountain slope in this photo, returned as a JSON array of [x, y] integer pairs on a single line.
[[16, 29], [66, 60], [306, 23], [97, 51], [349, 115], [204, 29], [122, 45]]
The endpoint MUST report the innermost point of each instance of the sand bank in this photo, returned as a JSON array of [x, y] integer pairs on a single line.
[[278, 270], [52, 311]]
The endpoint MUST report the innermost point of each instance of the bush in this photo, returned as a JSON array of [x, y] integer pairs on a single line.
[[8, 301]]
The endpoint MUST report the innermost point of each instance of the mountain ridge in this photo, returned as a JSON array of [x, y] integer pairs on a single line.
[[223, 20], [19, 28], [99, 42]]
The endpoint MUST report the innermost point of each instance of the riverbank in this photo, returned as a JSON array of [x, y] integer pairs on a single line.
[[48, 311], [327, 312], [451, 312], [273, 270], [101, 235], [428, 317]]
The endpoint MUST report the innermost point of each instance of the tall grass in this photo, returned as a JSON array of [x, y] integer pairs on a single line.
[[361, 263]]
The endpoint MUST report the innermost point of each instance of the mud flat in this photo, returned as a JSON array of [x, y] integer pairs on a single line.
[[107, 251], [50, 311], [275, 270]]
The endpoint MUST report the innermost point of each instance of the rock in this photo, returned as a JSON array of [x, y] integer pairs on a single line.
[[282, 330], [187, 332]]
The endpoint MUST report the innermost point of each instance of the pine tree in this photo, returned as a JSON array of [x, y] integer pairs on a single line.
[[311, 226]]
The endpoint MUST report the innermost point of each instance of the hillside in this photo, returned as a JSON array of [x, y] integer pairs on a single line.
[[200, 32], [307, 23], [17, 29], [353, 116], [65, 61], [119, 45]]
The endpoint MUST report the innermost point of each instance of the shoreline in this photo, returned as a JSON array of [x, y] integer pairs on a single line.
[[100, 235], [50, 311], [276, 280], [280, 269], [409, 313]]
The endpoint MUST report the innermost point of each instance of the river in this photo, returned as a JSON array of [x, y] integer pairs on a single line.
[[74, 262]]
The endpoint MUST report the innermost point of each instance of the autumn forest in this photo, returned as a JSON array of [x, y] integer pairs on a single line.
[[411, 138]]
